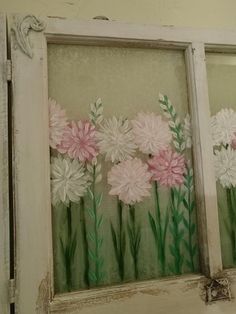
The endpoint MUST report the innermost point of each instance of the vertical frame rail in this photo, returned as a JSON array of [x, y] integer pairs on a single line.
[[4, 191], [206, 196]]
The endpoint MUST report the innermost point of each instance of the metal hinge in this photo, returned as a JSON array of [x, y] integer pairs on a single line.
[[12, 290], [9, 70]]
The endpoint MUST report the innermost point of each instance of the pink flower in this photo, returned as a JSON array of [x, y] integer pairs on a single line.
[[79, 141], [130, 180], [233, 142], [168, 168], [57, 123]]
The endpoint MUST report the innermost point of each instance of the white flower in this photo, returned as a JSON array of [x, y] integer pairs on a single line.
[[57, 123], [225, 167], [187, 131], [68, 180], [115, 139], [223, 126], [130, 181], [151, 133]]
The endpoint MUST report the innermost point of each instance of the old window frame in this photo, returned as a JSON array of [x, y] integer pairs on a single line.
[[31, 147], [4, 170]]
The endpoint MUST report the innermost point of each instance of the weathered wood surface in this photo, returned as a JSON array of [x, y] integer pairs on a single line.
[[4, 204], [32, 186]]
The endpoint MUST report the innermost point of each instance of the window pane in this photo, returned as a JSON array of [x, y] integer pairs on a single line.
[[221, 70], [121, 166]]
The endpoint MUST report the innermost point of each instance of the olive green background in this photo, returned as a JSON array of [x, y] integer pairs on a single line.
[[128, 80], [221, 71]]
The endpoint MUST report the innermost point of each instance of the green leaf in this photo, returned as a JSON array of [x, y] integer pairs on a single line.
[[186, 244], [123, 242], [192, 229], [92, 276], [100, 242], [90, 212], [91, 236], [114, 238], [62, 245], [180, 235], [153, 227], [185, 222], [100, 221], [73, 246], [98, 200], [172, 250], [192, 206], [90, 194], [92, 256], [186, 205]]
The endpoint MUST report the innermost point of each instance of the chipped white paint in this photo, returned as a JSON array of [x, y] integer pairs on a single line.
[[32, 186], [4, 206]]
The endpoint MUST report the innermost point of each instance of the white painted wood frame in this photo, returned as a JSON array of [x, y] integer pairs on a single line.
[[34, 275], [4, 196]]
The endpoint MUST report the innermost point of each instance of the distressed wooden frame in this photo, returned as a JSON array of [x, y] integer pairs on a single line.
[[31, 150], [4, 194]]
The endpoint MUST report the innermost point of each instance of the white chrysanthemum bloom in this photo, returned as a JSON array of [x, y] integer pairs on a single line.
[[69, 181], [57, 123], [115, 139], [187, 131], [223, 126], [225, 167], [130, 180], [151, 133]]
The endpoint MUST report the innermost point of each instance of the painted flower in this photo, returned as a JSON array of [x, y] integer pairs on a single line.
[[68, 180], [57, 123], [130, 180], [233, 142], [223, 126], [187, 131], [151, 133], [167, 168], [225, 167], [79, 141], [115, 139]]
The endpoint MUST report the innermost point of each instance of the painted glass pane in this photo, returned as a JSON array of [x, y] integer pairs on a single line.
[[221, 70], [121, 166]]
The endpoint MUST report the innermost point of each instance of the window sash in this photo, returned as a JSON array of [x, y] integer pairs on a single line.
[[31, 144]]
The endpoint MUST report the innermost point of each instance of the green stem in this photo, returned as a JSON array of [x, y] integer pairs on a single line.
[[85, 241], [68, 259], [189, 231], [97, 271], [121, 239], [134, 239], [176, 218], [160, 246], [232, 207]]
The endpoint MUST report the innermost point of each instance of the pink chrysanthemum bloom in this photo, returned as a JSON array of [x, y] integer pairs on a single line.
[[233, 142], [167, 168], [130, 180], [57, 123], [79, 141]]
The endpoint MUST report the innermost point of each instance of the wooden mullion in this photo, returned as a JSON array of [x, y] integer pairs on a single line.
[[205, 185]]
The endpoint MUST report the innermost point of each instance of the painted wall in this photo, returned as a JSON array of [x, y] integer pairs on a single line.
[[201, 13]]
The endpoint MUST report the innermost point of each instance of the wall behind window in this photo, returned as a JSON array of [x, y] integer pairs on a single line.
[[200, 13]]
